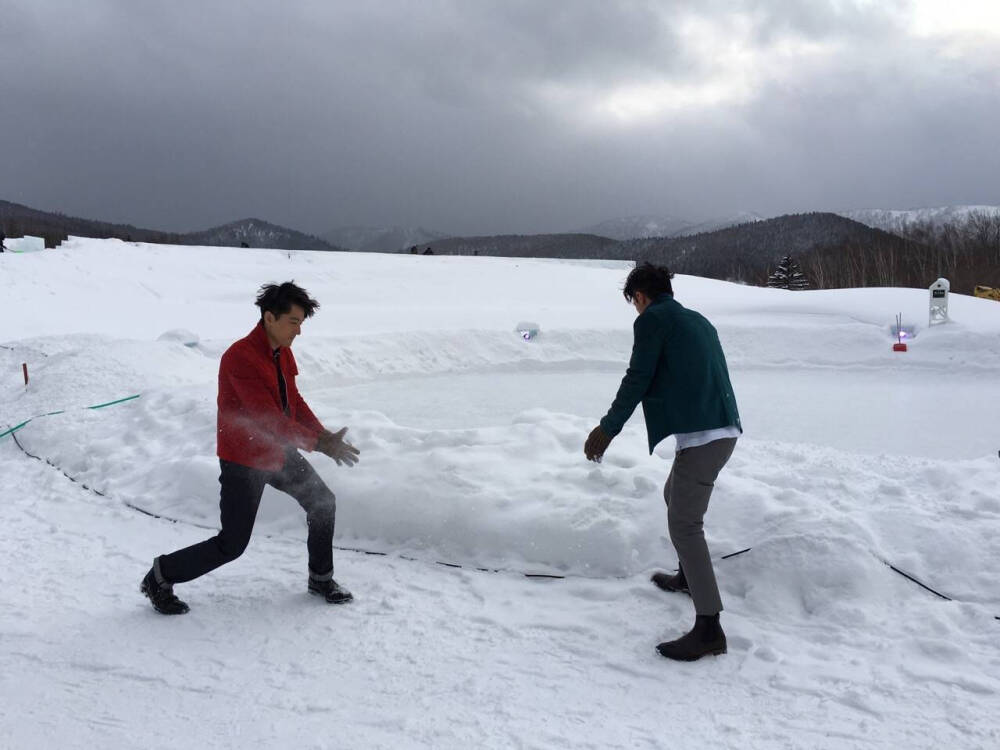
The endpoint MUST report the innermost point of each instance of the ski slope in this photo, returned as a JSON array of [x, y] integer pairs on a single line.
[[471, 440]]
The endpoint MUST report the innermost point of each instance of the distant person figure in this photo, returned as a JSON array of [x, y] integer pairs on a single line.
[[678, 371], [428, 251], [244, 244], [263, 422], [2, 238], [413, 250]]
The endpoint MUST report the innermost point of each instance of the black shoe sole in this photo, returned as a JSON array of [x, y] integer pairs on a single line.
[[712, 652], [344, 600]]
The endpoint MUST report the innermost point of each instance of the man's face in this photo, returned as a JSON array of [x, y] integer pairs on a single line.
[[282, 330]]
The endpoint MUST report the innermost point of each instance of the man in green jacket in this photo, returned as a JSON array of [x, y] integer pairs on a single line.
[[678, 372]]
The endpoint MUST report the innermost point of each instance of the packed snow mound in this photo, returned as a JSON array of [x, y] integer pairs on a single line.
[[181, 336]]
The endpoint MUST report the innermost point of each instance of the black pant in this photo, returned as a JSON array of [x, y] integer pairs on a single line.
[[241, 491]]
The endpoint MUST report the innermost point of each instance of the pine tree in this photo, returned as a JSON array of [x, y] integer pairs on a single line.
[[788, 275]]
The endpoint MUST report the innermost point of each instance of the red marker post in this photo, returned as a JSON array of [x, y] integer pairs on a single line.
[[899, 346]]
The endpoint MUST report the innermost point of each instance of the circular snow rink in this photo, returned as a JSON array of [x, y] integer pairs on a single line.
[[471, 437], [471, 445]]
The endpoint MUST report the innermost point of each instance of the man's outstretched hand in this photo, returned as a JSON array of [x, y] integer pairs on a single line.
[[334, 445], [597, 443]]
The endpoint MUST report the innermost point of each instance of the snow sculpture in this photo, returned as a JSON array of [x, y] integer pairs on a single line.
[[26, 244]]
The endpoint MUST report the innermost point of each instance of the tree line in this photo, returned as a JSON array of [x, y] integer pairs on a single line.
[[967, 253]]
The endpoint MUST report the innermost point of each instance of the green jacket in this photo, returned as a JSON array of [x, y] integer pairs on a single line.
[[678, 372]]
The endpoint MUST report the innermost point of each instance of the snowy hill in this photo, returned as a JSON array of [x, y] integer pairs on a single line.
[[897, 220], [714, 225], [628, 227], [471, 440], [748, 251], [642, 227], [257, 233], [17, 220], [381, 239]]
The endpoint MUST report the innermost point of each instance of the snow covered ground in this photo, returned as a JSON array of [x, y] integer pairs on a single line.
[[471, 444]]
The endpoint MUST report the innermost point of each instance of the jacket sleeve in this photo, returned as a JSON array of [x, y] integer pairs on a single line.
[[646, 347], [261, 416]]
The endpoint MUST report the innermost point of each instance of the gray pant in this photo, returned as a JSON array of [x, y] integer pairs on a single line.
[[687, 492]]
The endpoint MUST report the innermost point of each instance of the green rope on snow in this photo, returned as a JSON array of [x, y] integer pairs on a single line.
[[112, 403], [17, 427], [14, 429]]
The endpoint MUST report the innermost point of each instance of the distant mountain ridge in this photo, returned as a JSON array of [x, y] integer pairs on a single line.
[[17, 219], [631, 227], [531, 246], [833, 250], [647, 226], [744, 251], [381, 239], [257, 233], [747, 251], [899, 220]]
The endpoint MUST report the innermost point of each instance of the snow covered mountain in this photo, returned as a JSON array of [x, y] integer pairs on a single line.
[[724, 222], [17, 219], [382, 239], [646, 226], [258, 233], [897, 220], [631, 227]]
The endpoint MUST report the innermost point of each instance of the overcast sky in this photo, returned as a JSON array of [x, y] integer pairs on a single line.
[[487, 117]]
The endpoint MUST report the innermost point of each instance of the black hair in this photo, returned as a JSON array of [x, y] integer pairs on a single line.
[[650, 280], [278, 299]]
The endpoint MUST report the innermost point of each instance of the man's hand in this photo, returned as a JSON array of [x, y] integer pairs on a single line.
[[597, 443], [334, 445]]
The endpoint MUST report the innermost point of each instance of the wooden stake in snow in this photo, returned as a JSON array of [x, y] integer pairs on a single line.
[[24, 367]]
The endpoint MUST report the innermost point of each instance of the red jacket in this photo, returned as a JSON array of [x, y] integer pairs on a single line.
[[252, 428]]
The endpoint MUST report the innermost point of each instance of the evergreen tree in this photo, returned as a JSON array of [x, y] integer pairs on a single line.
[[788, 275]]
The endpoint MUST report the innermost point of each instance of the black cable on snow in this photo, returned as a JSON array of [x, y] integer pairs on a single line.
[[923, 585], [919, 583], [734, 554], [46, 461]]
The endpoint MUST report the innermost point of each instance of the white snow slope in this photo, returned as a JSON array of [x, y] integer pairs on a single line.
[[471, 443]]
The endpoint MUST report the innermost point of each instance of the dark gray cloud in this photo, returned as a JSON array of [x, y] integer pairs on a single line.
[[492, 116]]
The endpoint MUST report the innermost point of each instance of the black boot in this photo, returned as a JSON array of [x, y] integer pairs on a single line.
[[331, 590], [669, 582], [706, 637], [162, 596]]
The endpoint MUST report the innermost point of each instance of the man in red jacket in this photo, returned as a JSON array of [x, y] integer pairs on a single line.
[[263, 422]]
